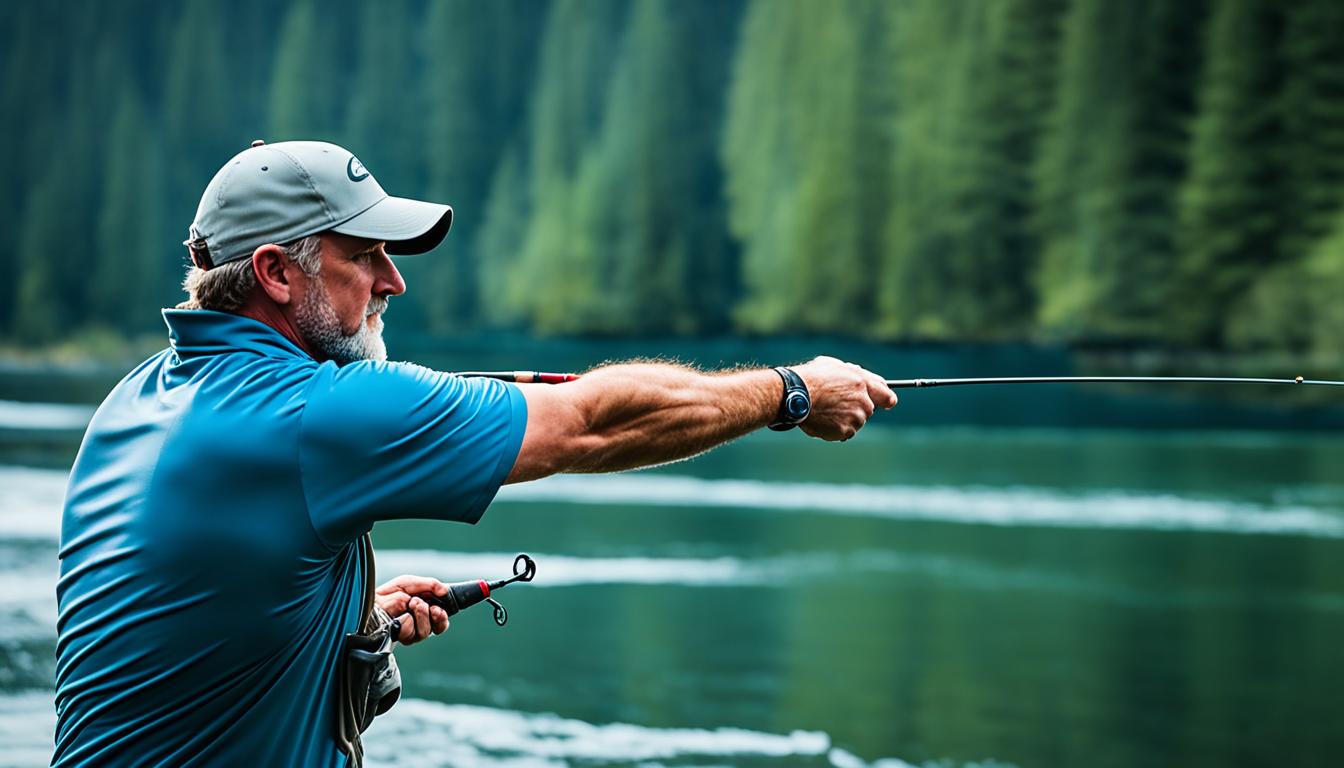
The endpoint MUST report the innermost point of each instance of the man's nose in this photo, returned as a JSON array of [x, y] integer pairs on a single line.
[[387, 280]]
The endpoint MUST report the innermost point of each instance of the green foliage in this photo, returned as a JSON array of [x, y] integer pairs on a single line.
[[1230, 220], [480, 62], [805, 159], [308, 97], [547, 283], [1267, 165], [972, 85], [1317, 295], [1110, 163], [128, 226], [1147, 172], [653, 217]]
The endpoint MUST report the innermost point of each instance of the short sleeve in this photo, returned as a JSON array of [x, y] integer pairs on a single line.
[[386, 441]]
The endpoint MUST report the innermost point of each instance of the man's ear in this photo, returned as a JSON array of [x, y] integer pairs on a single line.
[[268, 264]]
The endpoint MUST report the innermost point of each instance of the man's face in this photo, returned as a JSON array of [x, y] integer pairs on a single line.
[[340, 311]]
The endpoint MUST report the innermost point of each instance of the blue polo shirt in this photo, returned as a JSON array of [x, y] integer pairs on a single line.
[[208, 566]]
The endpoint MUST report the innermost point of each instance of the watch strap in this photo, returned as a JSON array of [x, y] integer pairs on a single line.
[[792, 383]]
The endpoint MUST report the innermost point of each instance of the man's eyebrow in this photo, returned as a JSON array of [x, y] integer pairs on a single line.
[[371, 249]]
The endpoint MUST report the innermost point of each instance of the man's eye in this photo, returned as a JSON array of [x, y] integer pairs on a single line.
[[363, 258]]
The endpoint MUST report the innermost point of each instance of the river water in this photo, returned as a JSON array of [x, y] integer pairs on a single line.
[[920, 595]]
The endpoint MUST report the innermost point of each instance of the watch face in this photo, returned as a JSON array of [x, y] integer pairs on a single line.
[[797, 406]]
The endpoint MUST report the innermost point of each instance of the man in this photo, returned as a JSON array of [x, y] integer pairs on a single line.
[[213, 544]]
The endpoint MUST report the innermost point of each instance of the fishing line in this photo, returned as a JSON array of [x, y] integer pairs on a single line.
[[535, 377], [922, 383]]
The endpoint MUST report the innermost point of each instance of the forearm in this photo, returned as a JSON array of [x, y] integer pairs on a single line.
[[641, 414]]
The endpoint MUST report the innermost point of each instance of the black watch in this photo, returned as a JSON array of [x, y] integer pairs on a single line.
[[795, 405]]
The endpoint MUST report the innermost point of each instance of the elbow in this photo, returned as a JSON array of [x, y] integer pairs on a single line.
[[587, 452]]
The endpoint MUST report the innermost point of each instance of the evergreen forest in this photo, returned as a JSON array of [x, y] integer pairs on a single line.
[[1145, 172]]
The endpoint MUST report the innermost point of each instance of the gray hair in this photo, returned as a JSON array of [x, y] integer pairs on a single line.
[[226, 287]]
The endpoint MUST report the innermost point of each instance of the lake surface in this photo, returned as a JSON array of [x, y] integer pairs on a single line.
[[921, 595]]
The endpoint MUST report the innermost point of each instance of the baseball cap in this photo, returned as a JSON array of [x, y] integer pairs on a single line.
[[278, 193]]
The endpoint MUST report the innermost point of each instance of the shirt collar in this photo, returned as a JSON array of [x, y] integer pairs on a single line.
[[197, 332]]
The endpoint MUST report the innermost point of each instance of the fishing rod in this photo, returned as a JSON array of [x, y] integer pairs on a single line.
[[465, 594], [535, 377], [922, 383], [522, 377]]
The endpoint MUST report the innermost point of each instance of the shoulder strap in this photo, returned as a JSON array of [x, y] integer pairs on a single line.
[[370, 582], [349, 720]]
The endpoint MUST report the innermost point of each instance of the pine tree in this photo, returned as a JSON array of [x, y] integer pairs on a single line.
[[501, 235], [998, 92], [647, 194], [307, 97], [200, 128], [1311, 108], [1316, 293], [34, 81], [386, 111], [804, 152], [931, 270], [480, 67], [1229, 217], [1110, 164], [1280, 303], [53, 287], [546, 283], [128, 280]]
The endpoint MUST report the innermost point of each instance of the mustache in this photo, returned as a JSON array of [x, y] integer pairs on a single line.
[[377, 306]]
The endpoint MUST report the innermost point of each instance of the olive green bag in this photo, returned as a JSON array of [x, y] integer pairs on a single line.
[[370, 682]]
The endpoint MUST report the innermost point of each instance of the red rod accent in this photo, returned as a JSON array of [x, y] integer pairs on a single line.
[[485, 588]]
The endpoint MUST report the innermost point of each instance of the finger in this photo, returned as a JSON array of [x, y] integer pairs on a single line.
[[422, 624], [393, 602], [439, 617], [879, 391], [866, 404], [406, 631], [415, 585]]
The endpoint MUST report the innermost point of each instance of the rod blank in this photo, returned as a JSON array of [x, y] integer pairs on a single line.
[[921, 383], [522, 377], [535, 377]]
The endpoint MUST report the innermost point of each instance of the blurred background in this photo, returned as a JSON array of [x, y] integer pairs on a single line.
[[1051, 576], [1152, 172]]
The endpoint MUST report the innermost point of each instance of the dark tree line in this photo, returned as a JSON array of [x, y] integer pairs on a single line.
[[1148, 171]]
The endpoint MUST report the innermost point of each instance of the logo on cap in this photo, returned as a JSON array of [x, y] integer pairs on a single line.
[[355, 170]]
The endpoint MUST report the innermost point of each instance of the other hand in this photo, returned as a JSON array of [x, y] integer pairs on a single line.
[[418, 619], [843, 397]]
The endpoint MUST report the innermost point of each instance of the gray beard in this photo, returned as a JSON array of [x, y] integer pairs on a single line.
[[321, 328]]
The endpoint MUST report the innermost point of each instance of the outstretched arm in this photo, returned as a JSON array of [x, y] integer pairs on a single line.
[[641, 414]]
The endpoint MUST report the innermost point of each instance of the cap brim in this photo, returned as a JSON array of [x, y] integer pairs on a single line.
[[407, 226]]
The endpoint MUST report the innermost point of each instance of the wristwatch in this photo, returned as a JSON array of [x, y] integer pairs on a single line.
[[795, 405]]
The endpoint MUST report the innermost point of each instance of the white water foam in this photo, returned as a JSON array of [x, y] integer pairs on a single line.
[[971, 505], [28, 602], [452, 734], [30, 502], [27, 728], [432, 734], [17, 415]]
